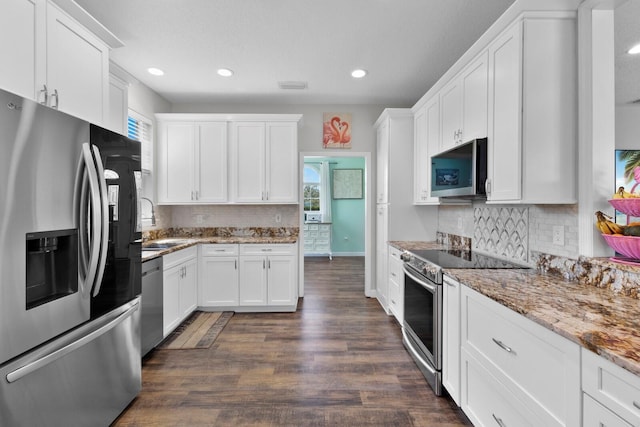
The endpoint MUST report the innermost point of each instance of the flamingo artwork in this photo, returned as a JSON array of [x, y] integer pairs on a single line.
[[336, 130]]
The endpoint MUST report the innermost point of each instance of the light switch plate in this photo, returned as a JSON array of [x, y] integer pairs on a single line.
[[558, 235]]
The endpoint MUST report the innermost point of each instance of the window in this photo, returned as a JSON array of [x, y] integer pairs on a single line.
[[312, 188], [140, 129]]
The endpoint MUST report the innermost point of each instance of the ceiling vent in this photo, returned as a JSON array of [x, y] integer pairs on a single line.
[[292, 85]]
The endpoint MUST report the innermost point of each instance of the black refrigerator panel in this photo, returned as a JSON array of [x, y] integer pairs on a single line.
[[122, 171]]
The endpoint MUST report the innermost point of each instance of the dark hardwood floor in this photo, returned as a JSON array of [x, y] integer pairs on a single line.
[[337, 361]]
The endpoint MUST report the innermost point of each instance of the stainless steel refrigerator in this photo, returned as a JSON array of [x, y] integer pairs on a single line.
[[69, 268]]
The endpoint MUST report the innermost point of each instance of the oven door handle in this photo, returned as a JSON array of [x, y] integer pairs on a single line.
[[428, 286]]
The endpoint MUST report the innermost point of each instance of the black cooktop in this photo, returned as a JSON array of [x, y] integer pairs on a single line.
[[454, 258]]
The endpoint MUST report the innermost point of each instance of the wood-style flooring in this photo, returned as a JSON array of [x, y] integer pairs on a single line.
[[337, 361]]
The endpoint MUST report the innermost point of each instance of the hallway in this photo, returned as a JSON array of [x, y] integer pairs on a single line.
[[337, 361]]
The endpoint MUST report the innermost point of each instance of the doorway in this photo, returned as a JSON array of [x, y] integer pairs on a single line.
[[347, 212]]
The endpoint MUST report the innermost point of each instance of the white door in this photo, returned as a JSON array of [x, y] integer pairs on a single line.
[[382, 284], [382, 172], [451, 338], [281, 280], [505, 162], [282, 163], [171, 298], [18, 46], [253, 280], [77, 68], [176, 168], [249, 161], [211, 161], [188, 288], [219, 285]]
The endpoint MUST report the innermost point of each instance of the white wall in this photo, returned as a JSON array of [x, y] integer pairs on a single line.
[[628, 127]]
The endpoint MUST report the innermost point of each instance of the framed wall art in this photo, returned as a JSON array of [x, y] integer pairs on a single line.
[[336, 130], [347, 184]]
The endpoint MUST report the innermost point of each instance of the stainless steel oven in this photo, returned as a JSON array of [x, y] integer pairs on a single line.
[[423, 305], [422, 328]]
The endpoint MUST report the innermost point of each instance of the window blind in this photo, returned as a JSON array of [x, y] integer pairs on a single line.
[[140, 129]]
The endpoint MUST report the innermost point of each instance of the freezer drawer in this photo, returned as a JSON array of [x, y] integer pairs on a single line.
[[85, 377]]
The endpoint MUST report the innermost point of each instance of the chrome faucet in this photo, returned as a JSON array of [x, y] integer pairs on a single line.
[[153, 213]]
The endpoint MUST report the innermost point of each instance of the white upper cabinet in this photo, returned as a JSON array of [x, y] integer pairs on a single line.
[[463, 104], [192, 163], [18, 46], [264, 166], [54, 59], [426, 143], [382, 162], [533, 112]]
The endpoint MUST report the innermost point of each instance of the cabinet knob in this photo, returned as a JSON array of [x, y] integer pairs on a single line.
[[44, 91], [55, 95]]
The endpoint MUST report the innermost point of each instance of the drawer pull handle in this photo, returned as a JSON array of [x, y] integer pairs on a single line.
[[636, 404], [499, 421], [503, 346]]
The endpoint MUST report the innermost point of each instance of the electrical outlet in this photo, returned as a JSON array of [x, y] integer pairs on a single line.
[[460, 223], [558, 235], [278, 218]]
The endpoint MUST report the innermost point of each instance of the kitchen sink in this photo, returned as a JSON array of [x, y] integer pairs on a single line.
[[159, 246]]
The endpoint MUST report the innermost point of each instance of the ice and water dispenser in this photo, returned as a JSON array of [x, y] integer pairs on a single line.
[[52, 266]]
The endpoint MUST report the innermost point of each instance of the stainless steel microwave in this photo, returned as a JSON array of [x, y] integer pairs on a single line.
[[460, 172]]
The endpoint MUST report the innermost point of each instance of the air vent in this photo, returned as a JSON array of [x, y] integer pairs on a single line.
[[292, 85]]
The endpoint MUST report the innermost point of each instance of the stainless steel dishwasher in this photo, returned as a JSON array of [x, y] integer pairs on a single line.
[[151, 329]]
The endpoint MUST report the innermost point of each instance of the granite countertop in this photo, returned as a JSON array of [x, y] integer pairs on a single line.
[[184, 243], [597, 319]]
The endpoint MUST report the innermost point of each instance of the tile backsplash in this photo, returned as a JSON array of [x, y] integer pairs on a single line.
[[513, 231]]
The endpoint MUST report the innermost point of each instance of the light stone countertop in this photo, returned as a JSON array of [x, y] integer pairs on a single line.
[[598, 319], [191, 241]]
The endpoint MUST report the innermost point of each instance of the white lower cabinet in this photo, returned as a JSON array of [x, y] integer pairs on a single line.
[[536, 371], [611, 393], [451, 337], [268, 275], [219, 275], [180, 287], [396, 284], [596, 415]]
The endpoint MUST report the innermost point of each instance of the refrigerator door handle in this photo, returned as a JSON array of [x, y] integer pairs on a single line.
[[95, 231], [108, 323], [104, 219]]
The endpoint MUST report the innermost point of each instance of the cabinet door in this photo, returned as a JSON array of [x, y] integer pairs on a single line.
[[427, 143], [505, 114], [382, 172], [382, 284], [282, 163], [219, 285], [253, 280], [451, 338], [116, 118], [249, 161], [281, 280], [171, 298], [596, 415], [77, 68], [474, 99], [176, 163], [18, 46], [188, 288], [211, 160], [451, 114]]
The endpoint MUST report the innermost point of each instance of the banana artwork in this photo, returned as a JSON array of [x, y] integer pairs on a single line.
[[623, 194], [606, 226]]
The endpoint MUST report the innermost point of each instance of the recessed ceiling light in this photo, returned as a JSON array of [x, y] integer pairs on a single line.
[[358, 73], [225, 72], [634, 50], [155, 71]]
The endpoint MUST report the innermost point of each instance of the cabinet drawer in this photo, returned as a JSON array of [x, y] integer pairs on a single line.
[[308, 246], [324, 234], [611, 385], [596, 415], [268, 249], [314, 227], [174, 258], [324, 228], [322, 242], [395, 271], [510, 345], [486, 401], [219, 249], [305, 227], [394, 252]]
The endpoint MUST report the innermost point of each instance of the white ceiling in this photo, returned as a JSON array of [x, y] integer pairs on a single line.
[[406, 45]]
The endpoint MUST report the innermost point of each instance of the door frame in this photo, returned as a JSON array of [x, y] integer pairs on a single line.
[[368, 291]]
